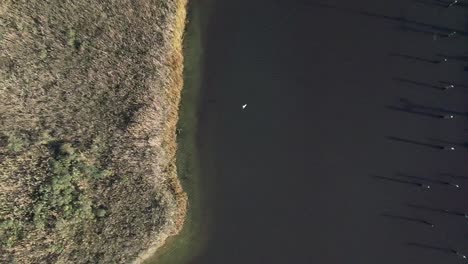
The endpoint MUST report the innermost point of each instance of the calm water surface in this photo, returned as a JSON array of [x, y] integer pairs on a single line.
[[293, 178]]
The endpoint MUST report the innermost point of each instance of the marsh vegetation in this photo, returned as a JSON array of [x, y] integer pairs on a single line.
[[89, 94]]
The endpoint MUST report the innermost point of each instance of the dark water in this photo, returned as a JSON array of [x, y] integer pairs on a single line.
[[305, 173]]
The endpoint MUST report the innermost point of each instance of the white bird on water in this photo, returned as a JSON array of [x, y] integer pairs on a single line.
[[244, 106]]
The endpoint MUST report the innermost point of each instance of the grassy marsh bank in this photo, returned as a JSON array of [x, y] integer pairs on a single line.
[[186, 244], [89, 95]]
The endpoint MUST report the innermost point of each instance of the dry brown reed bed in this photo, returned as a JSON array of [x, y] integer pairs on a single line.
[[89, 94]]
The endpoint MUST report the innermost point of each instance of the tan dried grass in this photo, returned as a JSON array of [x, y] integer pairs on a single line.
[[104, 77]]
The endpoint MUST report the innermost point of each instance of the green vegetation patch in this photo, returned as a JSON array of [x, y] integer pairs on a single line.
[[57, 200]]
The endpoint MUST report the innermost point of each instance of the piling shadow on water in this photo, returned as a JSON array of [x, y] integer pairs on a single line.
[[426, 179], [397, 19], [435, 34], [454, 176], [410, 111], [404, 175], [417, 83], [405, 28], [453, 57], [389, 179], [447, 142], [409, 219], [436, 210], [411, 105], [416, 58], [456, 85], [447, 250], [448, 2], [415, 142], [431, 3]]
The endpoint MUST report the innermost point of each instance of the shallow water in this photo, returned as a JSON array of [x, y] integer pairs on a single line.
[[294, 173]]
